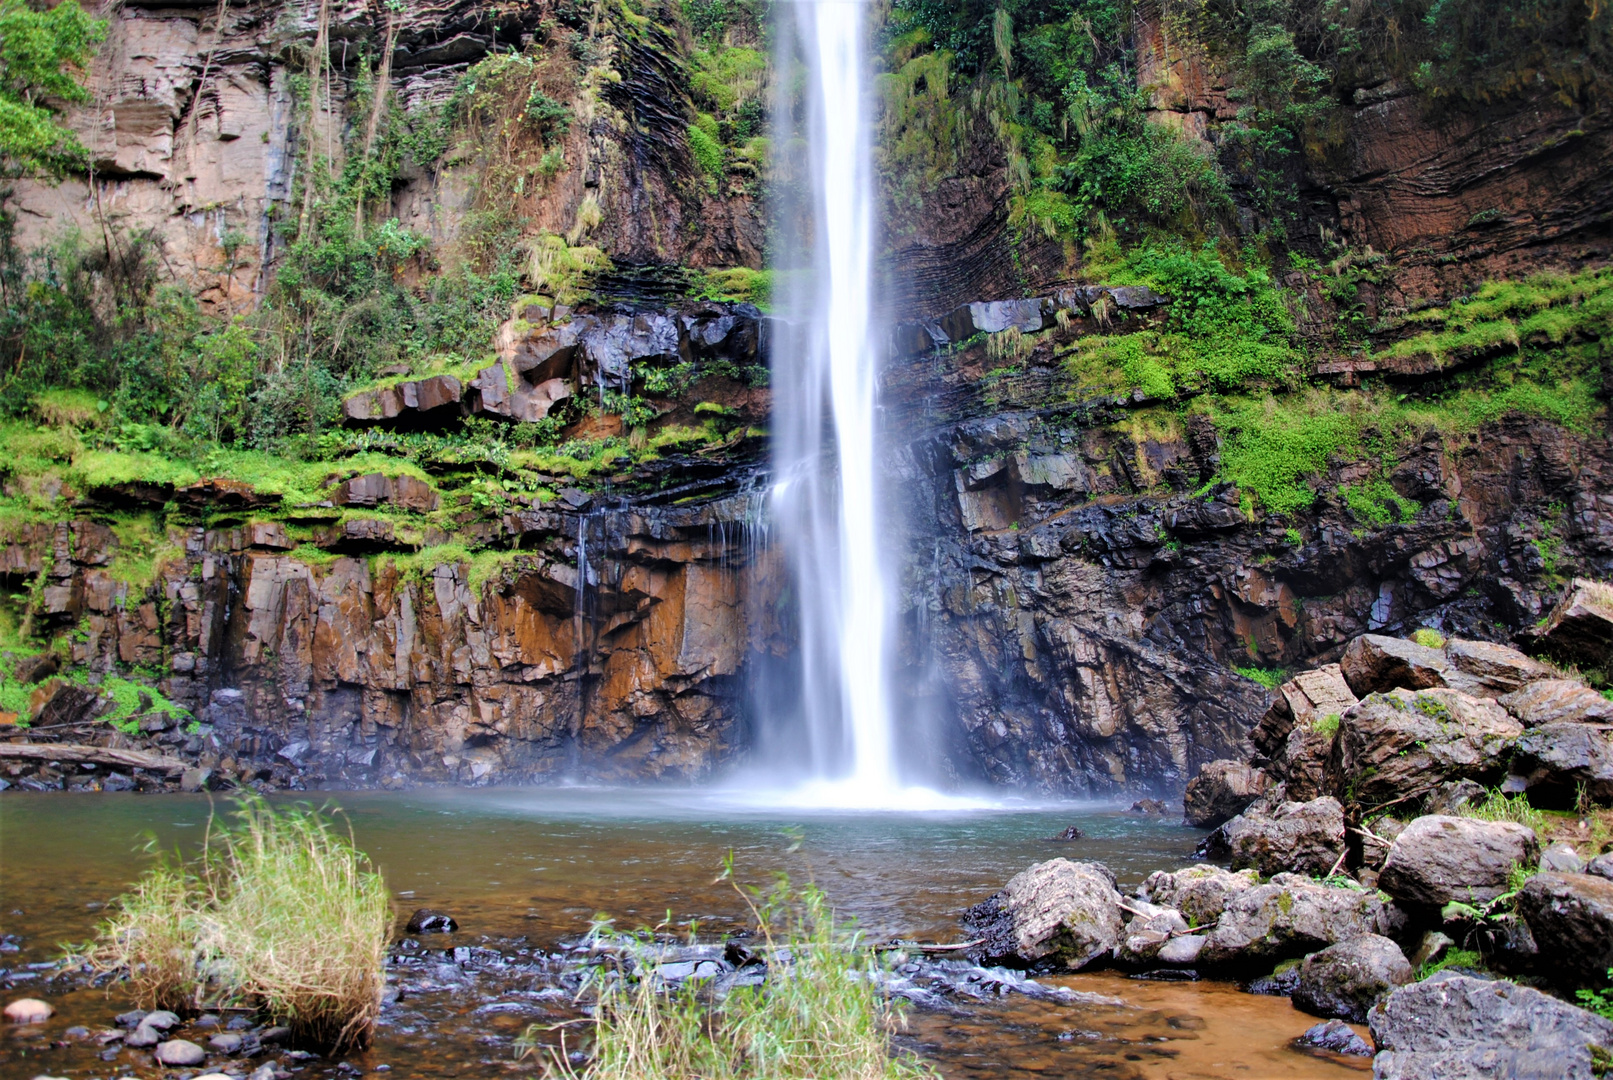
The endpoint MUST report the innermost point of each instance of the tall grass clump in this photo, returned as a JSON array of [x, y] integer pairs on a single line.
[[279, 911], [153, 939], [301, 923], [820, 1015], [1496, 806]]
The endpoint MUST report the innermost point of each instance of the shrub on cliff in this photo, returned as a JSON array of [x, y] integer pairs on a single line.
[[280, 910]]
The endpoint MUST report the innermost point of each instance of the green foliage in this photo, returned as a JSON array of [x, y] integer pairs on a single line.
[[1273, 447], [1452, 958], [1374, 502], [1270, 678], [1599, 1002], [1427, 638], [1498, 806], [133, 699], [41, 51], [1326, 726], [707, 151]]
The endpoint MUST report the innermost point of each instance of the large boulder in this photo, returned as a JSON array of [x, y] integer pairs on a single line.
[[1486, 669], [1302, 700], [1406, 743], [1570, 917], [1456, 1027], [1347, 979], [1373, 664], [1303, 838], [1055, 913], [1220, 791], [1302, 763], [1437, 859], [1559, 761], [1579, 629], [1550, 701], [1199, 892], [1292, 916]]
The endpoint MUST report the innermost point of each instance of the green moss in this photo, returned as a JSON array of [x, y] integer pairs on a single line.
[[1326, 726], [707, 151], [1270, 678], [131, 699], [1431, 639], [144, 546]]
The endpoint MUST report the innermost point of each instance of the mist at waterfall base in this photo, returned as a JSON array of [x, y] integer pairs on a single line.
[[823, 732]]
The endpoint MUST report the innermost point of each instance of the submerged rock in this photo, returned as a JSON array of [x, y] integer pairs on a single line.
[[1304, 838], [1056, 912], [431, 921], [1221, 790], [1347, 979], [1336, 1037], [1456, 1027], [1437, 859]]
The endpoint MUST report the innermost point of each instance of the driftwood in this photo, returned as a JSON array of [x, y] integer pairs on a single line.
[[95, 755]]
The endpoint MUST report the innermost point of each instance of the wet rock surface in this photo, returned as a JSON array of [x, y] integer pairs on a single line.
[[1402, 743], [1292, 916], [1057, 913], [1346, 980], [1570, 917], [1220, 791], [1304, 838]]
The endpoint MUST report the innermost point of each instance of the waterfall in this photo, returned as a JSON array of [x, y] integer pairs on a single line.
[[825, 383]]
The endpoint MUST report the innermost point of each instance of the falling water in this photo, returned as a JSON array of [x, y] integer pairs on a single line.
[[825, 383]]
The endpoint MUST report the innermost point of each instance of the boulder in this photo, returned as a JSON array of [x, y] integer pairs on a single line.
[[1560, 858], [1456, 1027], [1406, 743], [1304, 838], [1570, 917], [27, 1011], [1199, 892], [1055, 913], [1347, 979], [1579, 629], [1147, 934], [180, 1052], [1302, 762], [1551, 701], [1336, 1037], [1304, 699], [1452, 797], [1437, 859], [1601, 866], [1373, 664], [1559, 761], [404, 400], [1292, 916], [1221, 790], [1489, 669]]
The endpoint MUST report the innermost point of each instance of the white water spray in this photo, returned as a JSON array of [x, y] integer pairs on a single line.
[[826, 384]]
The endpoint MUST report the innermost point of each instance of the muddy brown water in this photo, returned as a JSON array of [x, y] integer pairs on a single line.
[[530, 869]]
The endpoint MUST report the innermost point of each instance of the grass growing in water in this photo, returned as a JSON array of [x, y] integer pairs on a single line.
[[280, 910], [820, 1014]]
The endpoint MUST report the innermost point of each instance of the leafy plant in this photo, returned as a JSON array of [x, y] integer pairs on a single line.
[[1270, 678]]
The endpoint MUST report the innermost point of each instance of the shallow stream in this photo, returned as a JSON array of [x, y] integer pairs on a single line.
[[529, 869]]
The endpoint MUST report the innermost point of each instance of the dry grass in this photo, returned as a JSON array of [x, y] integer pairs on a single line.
[[152, 940], [301, 923], [280, 910], [821, 1014]]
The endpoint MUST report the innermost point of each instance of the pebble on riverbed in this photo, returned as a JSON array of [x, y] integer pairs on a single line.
[[427, 921], [28, 1011], [180, 1052], [1337, 1037]]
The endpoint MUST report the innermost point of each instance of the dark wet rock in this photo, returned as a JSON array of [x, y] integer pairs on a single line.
[[1437, 859], [1302, 763], [161, 1019], [1056, 912], [430, 921], [1452, 797], [1456, 1027], [1560, 858], [1347, 979], [1557, 761], [1221, 790], [1601, 866], [1579, 627], [1292, 916], [1570, 917], [1551, 701], [130, 1019], [226, 1042], [1373, 664], [1282, 982], [1150, 807], [1301, 701], [1336, 1037], [1301, 838], [179, 1052], [1405, 743], [1071, 833], [1199, 892]]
